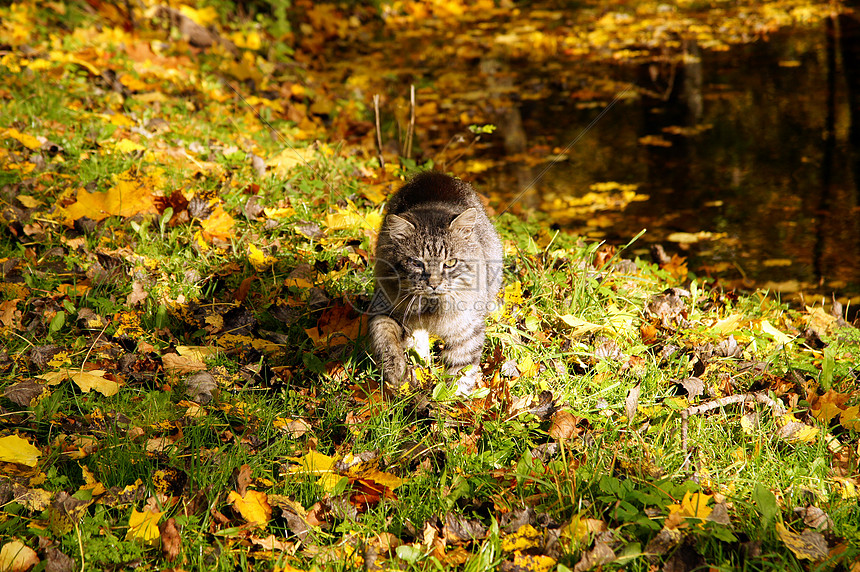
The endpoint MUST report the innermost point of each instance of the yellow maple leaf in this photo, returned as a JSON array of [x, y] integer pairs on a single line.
[[254, 506], [312, 463], [524, 538], [350, 218], [128, 146], [219, 225], [28, 201], [528, 367], [24, 139], [693, 506], [128, 197], [533, 562], [259, 259], [95, 379], [289, 158], [14, 449], [143, 526]]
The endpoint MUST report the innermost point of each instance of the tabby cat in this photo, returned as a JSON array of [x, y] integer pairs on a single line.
[[438, 271]]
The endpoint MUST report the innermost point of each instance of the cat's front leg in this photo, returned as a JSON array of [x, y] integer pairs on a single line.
[[386, 339]]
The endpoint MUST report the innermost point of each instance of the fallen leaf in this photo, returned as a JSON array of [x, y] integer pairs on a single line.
[[128, 197], [259, 259], [94, 379], [253, 507], [143, 526], [524, 538], [56, 561], [531, 562], [631, 403], [25, 393], [667, 539], [171, 542], [138, 294], [809, 545], [578, 326], [14, 449], [693, 506], [15, 556], [175, 364], [272, 543], [563, 425], [600, 554], [778, 336]]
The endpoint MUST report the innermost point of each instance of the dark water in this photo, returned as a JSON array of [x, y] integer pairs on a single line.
[[766, 163], [763, 144]]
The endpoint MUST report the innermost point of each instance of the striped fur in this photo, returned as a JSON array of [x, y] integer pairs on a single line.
[[438, 269]]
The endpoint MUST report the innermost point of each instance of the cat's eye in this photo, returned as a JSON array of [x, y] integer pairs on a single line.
[[450, 263], [415, 263]]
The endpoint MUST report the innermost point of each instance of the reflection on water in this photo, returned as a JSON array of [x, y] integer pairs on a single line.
[[754, 143]]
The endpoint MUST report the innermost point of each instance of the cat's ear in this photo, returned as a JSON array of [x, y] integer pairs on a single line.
[[399, 227], [465, 222]]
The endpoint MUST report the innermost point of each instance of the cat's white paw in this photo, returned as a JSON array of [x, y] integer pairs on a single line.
[[468, 381], [421, 344]]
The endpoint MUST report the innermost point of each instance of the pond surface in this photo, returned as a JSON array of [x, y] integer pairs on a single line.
[[738, 157], [751, 145]]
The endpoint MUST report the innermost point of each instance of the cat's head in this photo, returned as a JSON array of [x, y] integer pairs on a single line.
[[433, 255]]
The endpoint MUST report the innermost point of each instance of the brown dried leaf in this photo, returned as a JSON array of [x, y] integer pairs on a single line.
[[201, 387], [175, 364], [138, 294], [631, 403], [563, 425], [600, 554], [242, 477], [56, 561], [459, 529], [693, 386], [667, 539], [814, 517], [24, 393], [171, 542]]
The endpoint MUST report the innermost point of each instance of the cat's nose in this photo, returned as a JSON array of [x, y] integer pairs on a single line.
[[434, 281]]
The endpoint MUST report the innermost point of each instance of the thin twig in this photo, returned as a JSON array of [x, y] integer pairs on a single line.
[[410, 129], [761, 397], [93, 345], [378, 131]]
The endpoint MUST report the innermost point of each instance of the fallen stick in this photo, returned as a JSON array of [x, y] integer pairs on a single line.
[[761, 397]]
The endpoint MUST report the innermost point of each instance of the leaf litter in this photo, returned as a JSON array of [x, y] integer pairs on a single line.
[[202, 288]]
